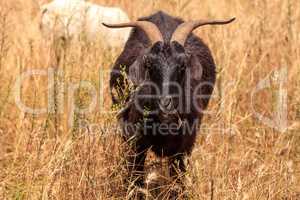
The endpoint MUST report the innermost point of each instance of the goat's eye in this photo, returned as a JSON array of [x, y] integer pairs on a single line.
[[182, 68]]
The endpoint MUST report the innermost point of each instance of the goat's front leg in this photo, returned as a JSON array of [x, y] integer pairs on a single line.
[[177, 170], [135, 166]]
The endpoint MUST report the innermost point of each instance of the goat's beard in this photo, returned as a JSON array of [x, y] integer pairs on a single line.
[[173, 118]]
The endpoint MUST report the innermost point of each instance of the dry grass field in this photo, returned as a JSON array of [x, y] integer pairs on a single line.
[[238, 155]]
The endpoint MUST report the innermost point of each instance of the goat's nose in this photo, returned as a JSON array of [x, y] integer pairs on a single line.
[[166, 103]]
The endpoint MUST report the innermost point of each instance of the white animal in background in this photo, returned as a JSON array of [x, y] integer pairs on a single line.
[[77, 19]]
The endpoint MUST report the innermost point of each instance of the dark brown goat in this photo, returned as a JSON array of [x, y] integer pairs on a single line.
[[174, 75]]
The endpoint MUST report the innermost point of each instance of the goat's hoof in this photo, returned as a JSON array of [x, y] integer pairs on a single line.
[[138, 194], [178, 194]]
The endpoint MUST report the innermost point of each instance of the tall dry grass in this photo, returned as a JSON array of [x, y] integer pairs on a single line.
[[236, 156]]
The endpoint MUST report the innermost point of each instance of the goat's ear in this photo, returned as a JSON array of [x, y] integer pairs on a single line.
[[136, 73], [195, 69]]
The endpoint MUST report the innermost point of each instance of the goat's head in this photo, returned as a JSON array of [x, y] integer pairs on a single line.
[[164, 64]]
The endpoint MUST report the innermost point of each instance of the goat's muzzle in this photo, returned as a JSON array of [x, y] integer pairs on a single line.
[[166, 105]]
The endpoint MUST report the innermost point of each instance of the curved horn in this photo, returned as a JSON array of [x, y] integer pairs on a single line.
[[183, 30], [149, 28]]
